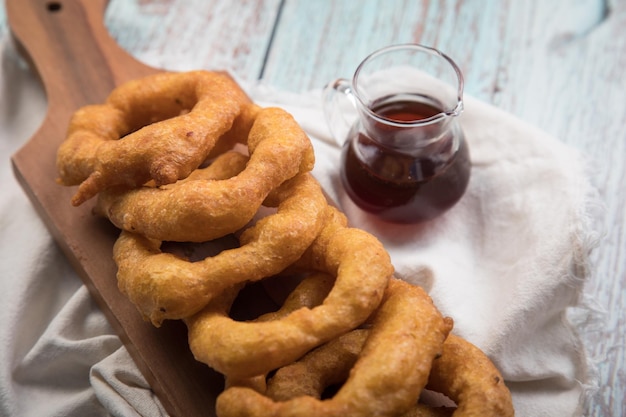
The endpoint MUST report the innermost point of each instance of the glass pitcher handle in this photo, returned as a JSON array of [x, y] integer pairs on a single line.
[[340, 109]]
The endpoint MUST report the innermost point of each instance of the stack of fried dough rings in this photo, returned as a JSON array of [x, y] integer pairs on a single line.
[[188, 157]]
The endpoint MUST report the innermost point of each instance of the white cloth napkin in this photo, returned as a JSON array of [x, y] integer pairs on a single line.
[[508, 264]]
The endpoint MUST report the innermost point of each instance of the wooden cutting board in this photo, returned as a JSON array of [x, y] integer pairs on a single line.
[[79, 63]]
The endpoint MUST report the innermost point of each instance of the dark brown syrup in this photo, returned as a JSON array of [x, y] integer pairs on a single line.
[[401, 186]]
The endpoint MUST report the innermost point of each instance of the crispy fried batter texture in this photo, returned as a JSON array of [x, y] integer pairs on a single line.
[[203, 207], [391, 370], [423, 410], [467, 376], [174, 212], [168, 123], [327, 366], [164, 286], [308, 293], [245, 349]]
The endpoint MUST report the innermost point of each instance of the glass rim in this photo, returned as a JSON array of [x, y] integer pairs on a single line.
[[454, 111]]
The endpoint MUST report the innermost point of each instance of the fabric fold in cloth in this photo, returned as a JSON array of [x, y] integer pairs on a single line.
[[507, 263], [122, 389]]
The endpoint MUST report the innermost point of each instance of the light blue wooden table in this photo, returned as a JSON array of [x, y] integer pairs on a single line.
[[558, 65]]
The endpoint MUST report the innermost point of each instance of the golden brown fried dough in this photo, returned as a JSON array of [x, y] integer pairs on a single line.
[[168, 124], [164, 286], [392, 368], [245, 349], [467, 376], [204, 207]]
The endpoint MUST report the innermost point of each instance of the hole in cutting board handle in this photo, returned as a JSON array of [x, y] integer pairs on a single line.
[[54, 6]]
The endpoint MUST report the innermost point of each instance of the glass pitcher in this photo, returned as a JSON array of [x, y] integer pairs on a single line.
[[404, 156]]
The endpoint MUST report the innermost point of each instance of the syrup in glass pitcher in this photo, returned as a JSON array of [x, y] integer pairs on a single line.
[[404, 157]]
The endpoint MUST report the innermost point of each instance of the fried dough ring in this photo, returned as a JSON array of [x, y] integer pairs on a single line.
[[462, 372], [202, 209], [164, 286], [310, 292], [169, 123], [245, 349], [407, 333], [319, 369], [327, 366], [469, 378]]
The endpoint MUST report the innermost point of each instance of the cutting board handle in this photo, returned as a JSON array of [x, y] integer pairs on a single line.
[[70, 48]]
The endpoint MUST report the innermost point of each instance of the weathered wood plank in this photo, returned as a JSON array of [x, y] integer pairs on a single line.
[[569, 81], [183, 35]]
